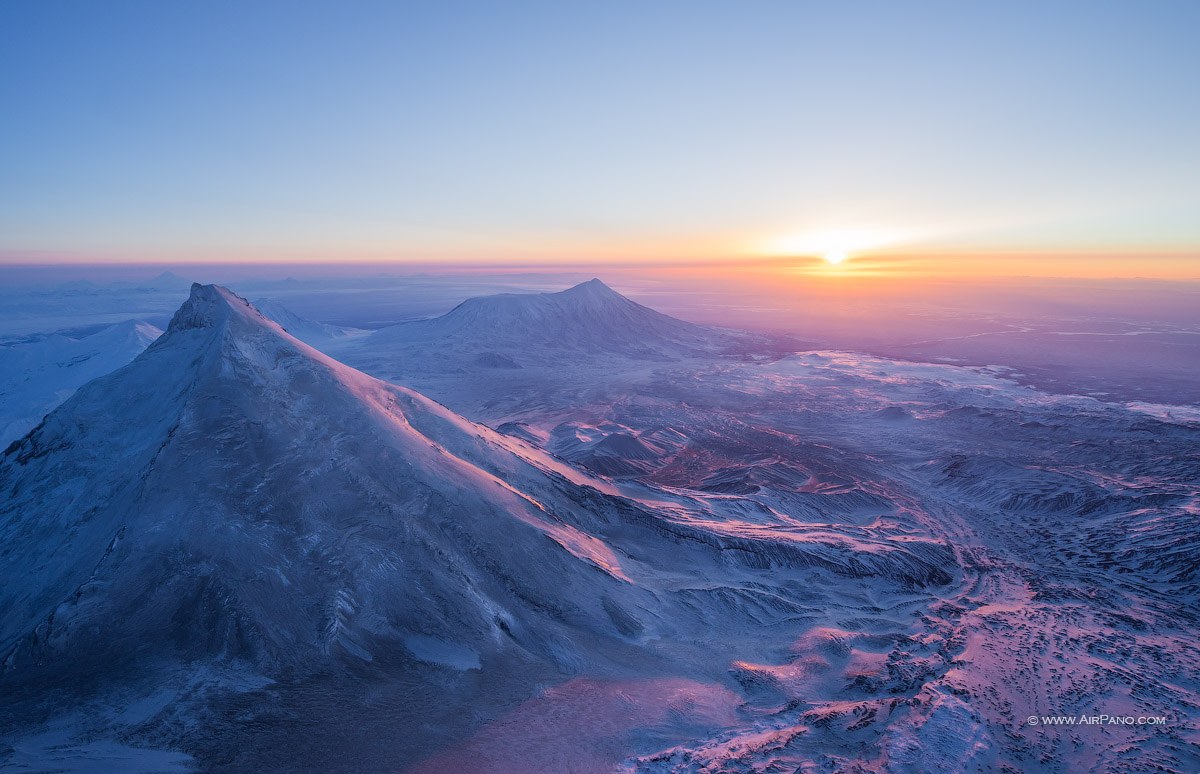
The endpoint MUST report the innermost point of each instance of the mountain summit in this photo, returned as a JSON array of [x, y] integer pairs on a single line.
[[593, 288], [590, 319], [212, 306]]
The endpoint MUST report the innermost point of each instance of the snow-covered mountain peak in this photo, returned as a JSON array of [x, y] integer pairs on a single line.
[[138, 331], [169, 280], [168, 473], [593, 288], [529, 341], [582, 321], [211, 306]]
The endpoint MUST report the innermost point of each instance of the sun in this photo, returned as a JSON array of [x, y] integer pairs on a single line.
[[831, 247]]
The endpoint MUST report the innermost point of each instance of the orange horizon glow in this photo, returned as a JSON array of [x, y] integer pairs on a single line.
[[880, 264]]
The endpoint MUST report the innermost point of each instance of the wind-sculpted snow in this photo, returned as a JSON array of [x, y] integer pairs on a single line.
[[248, 526], [1075, 528]]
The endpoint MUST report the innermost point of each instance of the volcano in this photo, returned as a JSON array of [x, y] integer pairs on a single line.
[[235, 525]]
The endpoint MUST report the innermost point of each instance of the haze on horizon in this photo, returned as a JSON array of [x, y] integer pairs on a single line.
[[935, 138]]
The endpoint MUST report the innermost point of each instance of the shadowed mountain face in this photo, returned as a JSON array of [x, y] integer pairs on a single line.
[[235, 504]]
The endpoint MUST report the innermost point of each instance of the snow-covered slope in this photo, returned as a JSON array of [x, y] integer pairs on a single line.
[[37, 376], [237, 503], [315, 334], [229, 445], [1074, 520]]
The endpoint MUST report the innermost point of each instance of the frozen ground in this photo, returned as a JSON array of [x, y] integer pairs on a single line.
[[1075, 524], [698, 554]]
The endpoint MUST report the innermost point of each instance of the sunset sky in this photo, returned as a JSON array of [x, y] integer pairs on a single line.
[[949, 138]]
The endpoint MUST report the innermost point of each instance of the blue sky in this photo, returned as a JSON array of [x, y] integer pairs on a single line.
[[477, 131]]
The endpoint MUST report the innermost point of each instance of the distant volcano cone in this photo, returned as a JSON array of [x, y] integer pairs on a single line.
[[588, 319]]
